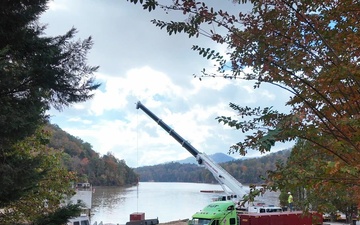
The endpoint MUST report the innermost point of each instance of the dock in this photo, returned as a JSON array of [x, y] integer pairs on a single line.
[[211, 191]]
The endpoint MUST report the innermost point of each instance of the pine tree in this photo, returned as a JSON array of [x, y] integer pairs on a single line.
[[36, 72]]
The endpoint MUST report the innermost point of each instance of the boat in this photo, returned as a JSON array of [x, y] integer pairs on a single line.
[[83, 194], [83, 219]]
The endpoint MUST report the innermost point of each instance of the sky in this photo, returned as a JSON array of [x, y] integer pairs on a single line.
[[141, 62]]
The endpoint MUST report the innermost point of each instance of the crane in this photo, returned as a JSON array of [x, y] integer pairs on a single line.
[[220, 174]]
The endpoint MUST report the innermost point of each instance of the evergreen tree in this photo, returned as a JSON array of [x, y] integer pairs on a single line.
[[60, 216], [36, 72]]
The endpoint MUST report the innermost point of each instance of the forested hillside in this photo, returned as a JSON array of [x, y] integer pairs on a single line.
[[247, 171], [81, 158], [107, 170], [217, 157]]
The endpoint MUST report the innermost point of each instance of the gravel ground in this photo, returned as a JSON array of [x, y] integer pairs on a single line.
[[175, 222]]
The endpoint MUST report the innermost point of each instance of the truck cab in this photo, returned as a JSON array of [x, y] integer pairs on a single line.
[[216, 213]]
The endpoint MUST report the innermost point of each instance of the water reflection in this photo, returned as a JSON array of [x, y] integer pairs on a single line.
[[165, 201], [108, 197]]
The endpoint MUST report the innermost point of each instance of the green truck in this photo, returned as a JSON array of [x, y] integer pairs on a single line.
[[225, 213], [216, 213]]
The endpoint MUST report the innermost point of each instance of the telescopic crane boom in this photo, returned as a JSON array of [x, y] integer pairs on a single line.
[[221, 175]]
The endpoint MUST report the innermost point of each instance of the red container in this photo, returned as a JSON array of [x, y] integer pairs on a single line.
[[304, 219], [291, 218], [282, 218], [245, 219], [263, 219], [278, 219], [137, 216]]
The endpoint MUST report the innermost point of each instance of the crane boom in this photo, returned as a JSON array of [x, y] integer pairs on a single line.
[[175, 135], [220, 174]]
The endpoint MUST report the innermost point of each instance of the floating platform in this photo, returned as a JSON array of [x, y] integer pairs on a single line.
[[211, 191]]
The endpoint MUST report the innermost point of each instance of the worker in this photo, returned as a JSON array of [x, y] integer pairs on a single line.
[[354, 218], [290, 201]]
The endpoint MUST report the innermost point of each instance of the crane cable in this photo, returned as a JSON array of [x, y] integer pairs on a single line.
[[137, 159]]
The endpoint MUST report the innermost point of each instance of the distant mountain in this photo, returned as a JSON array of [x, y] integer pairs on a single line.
[[217, 157], [247, 171]]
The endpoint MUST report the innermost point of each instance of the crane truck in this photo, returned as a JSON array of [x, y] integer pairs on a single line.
[[226, 212], [220, 174]]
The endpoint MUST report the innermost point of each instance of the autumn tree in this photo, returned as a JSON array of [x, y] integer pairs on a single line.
[[309, 48], [51, 188], [308, 165]]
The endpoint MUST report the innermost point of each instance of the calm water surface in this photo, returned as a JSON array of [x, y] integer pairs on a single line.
[[165, 201]]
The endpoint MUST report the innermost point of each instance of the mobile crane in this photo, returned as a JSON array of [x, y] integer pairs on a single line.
[[220, 174], [226, 212]]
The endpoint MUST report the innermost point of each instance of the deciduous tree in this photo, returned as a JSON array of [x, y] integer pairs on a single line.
[[26, 203], [309, 48], [311, 176]]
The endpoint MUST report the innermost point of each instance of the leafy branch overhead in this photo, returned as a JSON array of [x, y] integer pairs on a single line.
[[311, 49]]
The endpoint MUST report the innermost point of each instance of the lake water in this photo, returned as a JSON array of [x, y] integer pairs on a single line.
[[165, 201]]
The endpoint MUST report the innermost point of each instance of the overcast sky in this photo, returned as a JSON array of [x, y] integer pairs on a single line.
[[140, 62]]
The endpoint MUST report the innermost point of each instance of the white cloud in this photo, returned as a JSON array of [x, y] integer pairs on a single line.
[[57, 5], [78, 119], [131, 135], [142, 83], [139, 62]]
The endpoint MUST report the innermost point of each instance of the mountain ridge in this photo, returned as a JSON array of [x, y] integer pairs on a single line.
[[248, 170], [217, 157]]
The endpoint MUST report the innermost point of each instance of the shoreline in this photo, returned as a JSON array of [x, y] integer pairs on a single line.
[[176, 222]]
